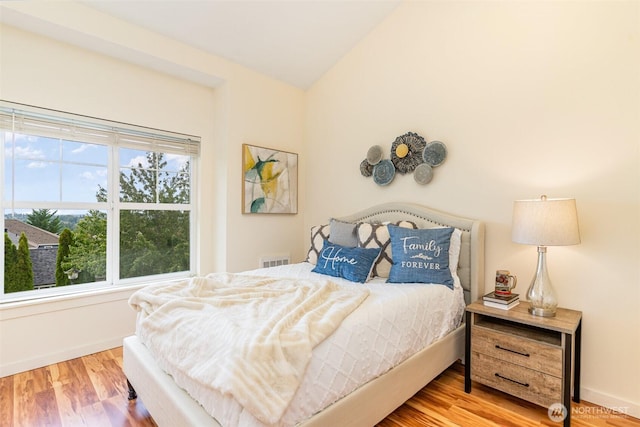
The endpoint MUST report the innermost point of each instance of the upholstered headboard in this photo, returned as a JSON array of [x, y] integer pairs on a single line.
[[471, 263]]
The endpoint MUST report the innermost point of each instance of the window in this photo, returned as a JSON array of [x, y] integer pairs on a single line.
[[89, 203]]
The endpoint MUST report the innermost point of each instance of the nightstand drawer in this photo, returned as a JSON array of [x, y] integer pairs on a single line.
[[525, 383], [532, 354]]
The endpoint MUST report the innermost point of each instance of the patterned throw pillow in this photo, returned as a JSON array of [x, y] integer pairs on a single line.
[[421, 256], [377, 236], [354, 264], [319, 233]]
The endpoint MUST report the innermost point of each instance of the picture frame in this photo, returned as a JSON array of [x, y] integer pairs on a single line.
[[269, 181]]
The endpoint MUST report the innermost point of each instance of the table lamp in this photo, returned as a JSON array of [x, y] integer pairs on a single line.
[[544, 222]]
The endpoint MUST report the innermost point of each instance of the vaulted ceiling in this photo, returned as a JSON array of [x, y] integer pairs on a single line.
[[295, 41]]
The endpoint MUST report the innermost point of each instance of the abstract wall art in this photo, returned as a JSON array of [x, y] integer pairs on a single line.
[[269, 181]]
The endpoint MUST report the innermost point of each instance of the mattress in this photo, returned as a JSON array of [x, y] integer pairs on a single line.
[[394, 322]]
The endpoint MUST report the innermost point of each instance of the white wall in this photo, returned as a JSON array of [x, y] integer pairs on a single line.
[[530, 98], [229, 105]]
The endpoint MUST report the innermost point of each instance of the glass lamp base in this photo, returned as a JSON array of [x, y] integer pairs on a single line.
[[542, 298], [542, 312]]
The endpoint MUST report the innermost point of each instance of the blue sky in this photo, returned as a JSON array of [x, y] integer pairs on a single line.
[[37, 174]]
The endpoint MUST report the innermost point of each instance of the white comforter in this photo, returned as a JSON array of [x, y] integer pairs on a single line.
[[248, 337], [394, 322]]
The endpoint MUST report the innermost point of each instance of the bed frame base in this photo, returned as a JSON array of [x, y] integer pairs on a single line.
[[366, 406], [168, 404]]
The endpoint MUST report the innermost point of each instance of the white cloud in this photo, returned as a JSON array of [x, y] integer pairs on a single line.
[[178, 160], [139, 159], [22, 152], [81, 148], [37, 165]]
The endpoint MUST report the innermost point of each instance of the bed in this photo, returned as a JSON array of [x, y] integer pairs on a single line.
[[366, 402]]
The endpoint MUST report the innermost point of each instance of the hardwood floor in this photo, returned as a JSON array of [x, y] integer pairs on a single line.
[[91, 391], [443, 402]]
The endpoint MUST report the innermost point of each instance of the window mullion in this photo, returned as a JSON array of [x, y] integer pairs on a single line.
[[2, 200], [113, 215]]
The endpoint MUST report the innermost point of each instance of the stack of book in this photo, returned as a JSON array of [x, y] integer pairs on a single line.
[[504, 302]]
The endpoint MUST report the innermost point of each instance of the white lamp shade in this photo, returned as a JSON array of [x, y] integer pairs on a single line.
[[545, 222]]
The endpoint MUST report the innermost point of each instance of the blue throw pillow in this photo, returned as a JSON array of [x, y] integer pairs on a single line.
[[354, 264], [420, 256]]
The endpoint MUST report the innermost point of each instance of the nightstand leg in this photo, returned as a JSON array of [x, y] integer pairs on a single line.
[[566, 398], [467, 353], [576, 363]]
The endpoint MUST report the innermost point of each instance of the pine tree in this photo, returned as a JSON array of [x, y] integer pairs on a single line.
[[45, 219], [64, 242], [24, 267], [10, 260]]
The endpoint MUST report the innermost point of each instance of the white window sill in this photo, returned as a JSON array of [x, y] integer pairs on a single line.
[[12, 310]]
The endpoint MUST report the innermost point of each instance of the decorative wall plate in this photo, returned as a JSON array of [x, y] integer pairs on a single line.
[[406, 159], [434, 153], [366, 168], [384, 172], [423, 173], [374, 155], [410, 153]]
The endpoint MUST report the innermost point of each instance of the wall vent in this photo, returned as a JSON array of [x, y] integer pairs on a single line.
[[274, 261]]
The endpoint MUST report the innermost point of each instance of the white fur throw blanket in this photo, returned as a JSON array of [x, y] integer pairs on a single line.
[[247, 336]]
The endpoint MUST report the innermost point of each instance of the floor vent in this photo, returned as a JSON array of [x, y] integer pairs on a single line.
[[274, 261]]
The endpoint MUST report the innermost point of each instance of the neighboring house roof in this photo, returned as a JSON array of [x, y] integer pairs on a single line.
[[37, 237]]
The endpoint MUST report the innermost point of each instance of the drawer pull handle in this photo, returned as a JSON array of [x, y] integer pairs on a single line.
[[512, 351], [513, 381]]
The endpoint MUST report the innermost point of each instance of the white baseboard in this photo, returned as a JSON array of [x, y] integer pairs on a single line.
[[615, 407]]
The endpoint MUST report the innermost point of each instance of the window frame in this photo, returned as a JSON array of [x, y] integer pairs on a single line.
[[113, 135]]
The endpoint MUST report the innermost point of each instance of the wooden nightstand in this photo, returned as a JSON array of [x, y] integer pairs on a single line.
[[527, 356]]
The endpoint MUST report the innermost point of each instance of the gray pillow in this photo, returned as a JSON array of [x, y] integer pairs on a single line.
[[343, 233]]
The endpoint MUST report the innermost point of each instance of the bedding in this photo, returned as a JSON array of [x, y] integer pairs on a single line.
[[396, 341], [391, 324], [269, 325]]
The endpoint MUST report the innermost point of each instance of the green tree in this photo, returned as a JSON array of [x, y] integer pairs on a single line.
[[10, 262], [88, 254], [45, 219], [24, 268], [153, 183], [153, 241], [65, 241]]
